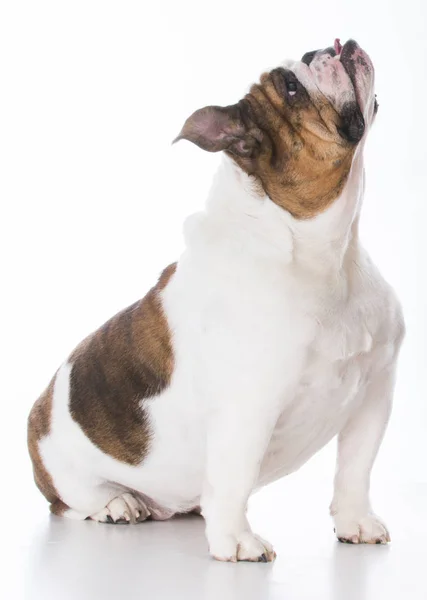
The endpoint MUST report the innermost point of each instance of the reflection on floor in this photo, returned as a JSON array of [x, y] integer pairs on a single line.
[[53, 558]]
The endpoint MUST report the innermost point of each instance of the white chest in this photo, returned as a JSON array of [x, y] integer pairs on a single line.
[[329, 391]]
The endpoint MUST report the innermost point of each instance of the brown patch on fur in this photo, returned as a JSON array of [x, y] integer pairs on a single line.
[[38, 428], [302, 166], [128, 359], [295, 146], [58, 507]]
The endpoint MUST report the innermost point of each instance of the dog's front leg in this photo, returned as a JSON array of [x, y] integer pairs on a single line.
[[358, 444], [238, 435]]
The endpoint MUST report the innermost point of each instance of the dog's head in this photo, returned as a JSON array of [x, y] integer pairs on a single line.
[[297, 130]]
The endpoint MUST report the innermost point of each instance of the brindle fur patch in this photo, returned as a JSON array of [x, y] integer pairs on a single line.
[[38, 428], [297, 147], [126, 360], [303, 162]]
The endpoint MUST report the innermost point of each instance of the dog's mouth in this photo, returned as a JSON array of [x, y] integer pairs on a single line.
[[338, 51], [350, 55], [328, 77]]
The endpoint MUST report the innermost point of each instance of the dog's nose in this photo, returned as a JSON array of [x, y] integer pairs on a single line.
[[308, 56]]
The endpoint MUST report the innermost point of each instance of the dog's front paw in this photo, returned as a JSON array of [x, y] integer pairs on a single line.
[[245, 547], [254, 548], [368, 529]]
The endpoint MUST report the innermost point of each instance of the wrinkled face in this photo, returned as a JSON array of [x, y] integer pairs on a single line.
[[297, 130]]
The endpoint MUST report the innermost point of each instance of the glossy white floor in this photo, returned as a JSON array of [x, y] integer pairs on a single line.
[[51, 558]]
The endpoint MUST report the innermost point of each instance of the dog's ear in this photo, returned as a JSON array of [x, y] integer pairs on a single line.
[[216, 128]]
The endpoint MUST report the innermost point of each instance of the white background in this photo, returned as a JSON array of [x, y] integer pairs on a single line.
[[93, 194]]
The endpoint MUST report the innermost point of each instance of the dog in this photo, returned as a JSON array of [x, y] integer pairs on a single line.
[[273, 333]]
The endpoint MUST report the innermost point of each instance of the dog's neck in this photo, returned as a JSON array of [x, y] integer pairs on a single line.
[[242, 220]]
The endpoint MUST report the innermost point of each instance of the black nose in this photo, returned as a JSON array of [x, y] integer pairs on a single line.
[[308, 56]]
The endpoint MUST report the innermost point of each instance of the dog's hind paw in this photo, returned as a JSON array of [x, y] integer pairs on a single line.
[[124, 509]]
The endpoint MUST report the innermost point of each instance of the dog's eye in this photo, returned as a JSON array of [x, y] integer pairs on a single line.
[[292, 87]]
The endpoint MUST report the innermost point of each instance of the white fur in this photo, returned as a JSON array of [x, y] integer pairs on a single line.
[[285, 335]]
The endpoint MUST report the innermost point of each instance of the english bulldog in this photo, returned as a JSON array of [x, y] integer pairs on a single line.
[[272, 334]]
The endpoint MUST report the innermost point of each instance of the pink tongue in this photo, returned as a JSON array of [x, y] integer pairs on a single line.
[[337, 46]]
